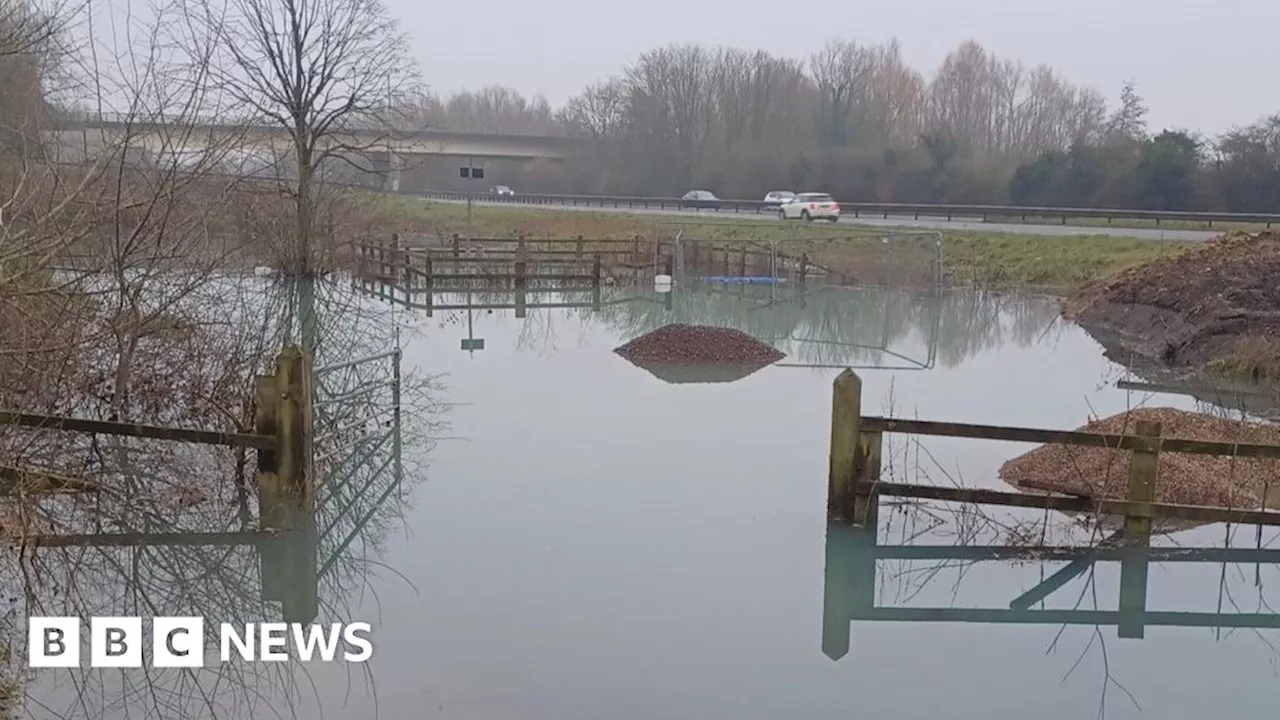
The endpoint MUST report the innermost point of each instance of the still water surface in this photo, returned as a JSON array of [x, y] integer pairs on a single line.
[[594, 542]]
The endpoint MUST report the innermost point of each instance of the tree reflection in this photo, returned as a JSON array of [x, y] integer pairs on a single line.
[[852, 326], [177, 529]]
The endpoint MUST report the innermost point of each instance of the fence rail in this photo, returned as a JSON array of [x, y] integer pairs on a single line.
[[855, 486], [865, 209]]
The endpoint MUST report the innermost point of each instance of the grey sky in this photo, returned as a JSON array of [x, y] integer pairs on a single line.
[[1190, 59]]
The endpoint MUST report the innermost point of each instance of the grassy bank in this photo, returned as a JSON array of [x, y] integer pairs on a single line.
[[970, 257], [1137, 223]]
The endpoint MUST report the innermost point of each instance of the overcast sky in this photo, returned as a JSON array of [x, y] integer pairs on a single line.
[[1199, 64]]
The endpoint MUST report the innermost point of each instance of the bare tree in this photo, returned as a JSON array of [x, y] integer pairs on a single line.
[[599, 111], [841, 71], [326, 72], [1129, 121]]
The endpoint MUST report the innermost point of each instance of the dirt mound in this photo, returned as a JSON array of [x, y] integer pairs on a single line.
[[1211, 303], [1181, 478], [698, 345]]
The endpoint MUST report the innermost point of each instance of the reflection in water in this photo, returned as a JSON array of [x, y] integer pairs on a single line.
[[869, 579], [1213, 393], [232, 554], [816, 326]]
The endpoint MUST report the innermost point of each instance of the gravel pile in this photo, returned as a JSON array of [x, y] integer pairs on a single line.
[[698, 345], [1181, 478]]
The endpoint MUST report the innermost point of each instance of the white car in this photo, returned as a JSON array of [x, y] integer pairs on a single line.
[[502, 190], [810, 206], [779, 198]]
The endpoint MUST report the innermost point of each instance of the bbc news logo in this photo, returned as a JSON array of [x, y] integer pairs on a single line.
[[118, 642]]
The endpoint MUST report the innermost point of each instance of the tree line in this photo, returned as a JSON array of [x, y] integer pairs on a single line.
[[857, 121]]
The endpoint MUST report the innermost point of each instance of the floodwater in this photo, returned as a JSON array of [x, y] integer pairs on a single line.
[[587, 540]]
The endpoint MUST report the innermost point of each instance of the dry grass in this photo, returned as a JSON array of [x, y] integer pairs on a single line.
[[1253, 356]]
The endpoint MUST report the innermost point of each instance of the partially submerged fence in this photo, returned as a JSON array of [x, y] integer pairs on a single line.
[[855, 486], [281, 436], [425, 268]]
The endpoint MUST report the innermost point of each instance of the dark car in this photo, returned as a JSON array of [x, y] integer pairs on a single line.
[[699, 200]]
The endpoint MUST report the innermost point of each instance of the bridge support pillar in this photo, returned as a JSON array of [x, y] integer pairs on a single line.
[[394, 165]]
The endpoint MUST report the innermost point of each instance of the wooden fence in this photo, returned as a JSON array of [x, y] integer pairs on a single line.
[[854, 484], [281, 436], [426, 268], [397, 261]]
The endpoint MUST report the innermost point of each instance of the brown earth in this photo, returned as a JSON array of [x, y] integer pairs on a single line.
[[1218, 302], [678, 344], [1182, 478]]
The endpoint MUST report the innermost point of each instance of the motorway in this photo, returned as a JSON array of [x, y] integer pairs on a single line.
[[972, 224]]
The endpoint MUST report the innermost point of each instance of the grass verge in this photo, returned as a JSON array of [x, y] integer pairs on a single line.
[[1137, 223], [970, 257]]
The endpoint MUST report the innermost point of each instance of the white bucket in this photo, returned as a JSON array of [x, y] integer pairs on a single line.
[[662, 283]]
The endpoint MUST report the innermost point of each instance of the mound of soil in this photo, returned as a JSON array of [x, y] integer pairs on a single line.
[[698, 345], [1181, 478], [1212, 302]]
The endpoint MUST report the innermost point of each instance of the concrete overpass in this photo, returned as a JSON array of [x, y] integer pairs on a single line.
[[414, 142], [389, 149]]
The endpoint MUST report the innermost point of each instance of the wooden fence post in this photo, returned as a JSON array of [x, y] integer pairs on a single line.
[[400, 260], [595, 282], [846, 420], [743, 271], [457, 246], [579, 247], [1143, 470], [866, 475], [292, 421], [804, 266], [1144, 467], [522, 303]]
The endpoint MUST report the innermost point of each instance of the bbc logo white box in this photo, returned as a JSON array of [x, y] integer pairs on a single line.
[[177, 642], [115, 642], [53, 642]]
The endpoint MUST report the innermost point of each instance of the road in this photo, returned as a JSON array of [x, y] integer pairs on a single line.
[[899, 222]]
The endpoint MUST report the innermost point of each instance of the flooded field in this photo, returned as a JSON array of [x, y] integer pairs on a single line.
[[589, 539]]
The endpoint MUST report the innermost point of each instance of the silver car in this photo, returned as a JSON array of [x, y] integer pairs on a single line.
[[699, 199]]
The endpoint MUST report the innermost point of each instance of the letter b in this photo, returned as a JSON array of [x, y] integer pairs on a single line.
[[115, 642], [53, 642]]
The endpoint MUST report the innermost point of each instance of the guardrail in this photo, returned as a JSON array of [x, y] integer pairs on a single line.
[[861, 209]]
